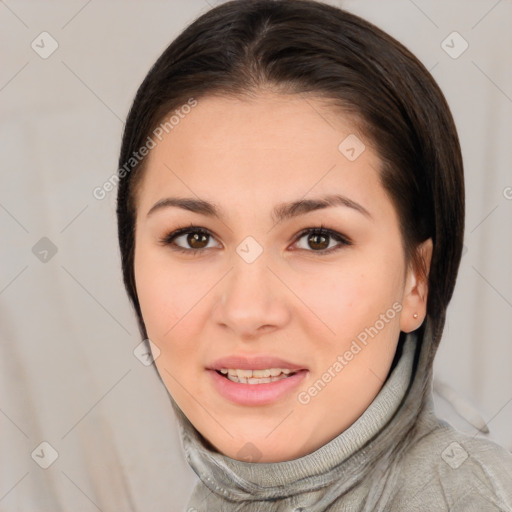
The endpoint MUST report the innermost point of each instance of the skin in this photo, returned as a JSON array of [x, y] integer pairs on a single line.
[[292, 302]]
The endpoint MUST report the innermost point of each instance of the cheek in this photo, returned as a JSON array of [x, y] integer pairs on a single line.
[[169, 301], [353, 295], [165, 294]]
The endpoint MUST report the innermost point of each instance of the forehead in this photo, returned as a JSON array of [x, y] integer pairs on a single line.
[[268, 121], [263, 146]]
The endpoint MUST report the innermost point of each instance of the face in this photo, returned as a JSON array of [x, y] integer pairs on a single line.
[[277, 306]]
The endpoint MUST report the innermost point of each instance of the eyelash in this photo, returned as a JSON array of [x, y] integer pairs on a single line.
[[321, 230]]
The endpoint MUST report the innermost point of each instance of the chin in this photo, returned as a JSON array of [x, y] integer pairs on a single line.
[[262, 444]]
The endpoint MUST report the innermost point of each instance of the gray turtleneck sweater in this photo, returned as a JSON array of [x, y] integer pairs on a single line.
[[396, 457]]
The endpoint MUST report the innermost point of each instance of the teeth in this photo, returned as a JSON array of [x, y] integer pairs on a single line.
[[260, 381], [253, 380], [262, 373], [255, 376]]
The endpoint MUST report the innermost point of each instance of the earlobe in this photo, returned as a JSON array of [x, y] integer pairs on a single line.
[[414, 303]]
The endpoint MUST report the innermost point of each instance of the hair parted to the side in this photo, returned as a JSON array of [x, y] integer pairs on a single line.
[[306, 47]]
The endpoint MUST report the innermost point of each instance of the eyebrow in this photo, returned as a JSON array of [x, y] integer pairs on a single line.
[[282, 211]]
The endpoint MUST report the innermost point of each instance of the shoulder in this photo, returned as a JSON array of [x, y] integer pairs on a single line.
[[450, 470]]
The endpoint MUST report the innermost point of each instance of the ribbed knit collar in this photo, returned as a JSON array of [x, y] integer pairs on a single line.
[[342, 462]]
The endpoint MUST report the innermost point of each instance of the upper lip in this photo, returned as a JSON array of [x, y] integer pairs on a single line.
[[253, 363]]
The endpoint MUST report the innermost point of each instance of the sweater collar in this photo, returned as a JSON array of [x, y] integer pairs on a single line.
[[346, 459]]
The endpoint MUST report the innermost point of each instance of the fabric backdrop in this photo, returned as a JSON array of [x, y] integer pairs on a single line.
[[69, 376]]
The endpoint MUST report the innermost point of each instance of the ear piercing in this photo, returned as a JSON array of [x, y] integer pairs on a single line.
[[415, 315]]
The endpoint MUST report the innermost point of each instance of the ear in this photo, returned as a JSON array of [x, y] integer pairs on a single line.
[[414, 301]]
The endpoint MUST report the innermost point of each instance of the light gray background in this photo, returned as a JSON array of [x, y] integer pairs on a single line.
[[68, 373]]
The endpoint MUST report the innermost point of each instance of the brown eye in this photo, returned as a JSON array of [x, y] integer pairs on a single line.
[[322, 240], [197, 240], [316, 241], [188, 240]]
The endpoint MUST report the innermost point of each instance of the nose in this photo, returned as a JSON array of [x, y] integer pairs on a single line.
[[251, 299]]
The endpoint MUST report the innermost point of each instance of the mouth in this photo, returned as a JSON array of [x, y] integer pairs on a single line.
[[255, 381]]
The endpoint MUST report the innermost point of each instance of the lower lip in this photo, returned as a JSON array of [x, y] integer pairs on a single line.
[[256, 394]]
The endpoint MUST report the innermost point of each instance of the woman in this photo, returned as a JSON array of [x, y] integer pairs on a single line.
[[290, 213]]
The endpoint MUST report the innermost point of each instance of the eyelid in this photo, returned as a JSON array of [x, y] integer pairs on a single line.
[[167, 240], [331, 233]]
